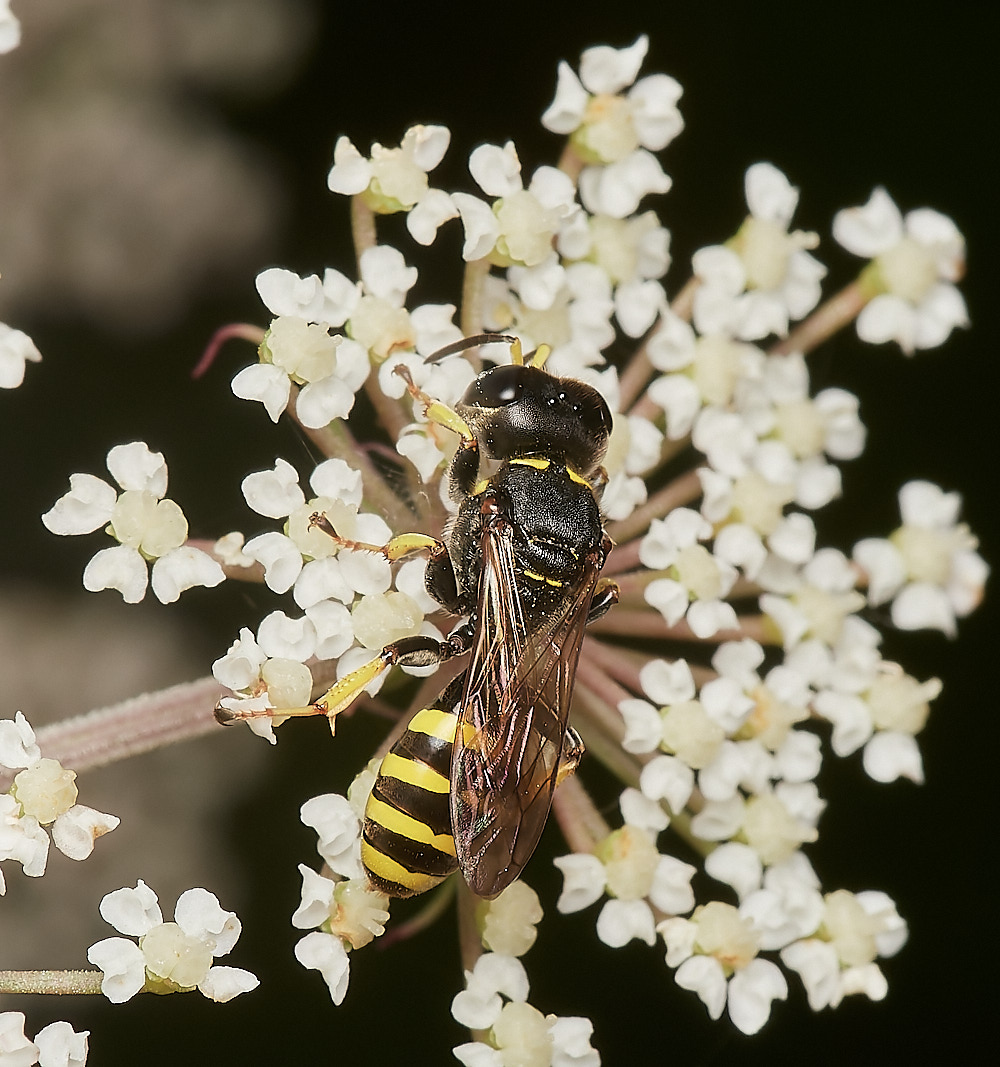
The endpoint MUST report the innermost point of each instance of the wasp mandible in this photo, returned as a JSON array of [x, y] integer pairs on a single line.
[[469, 784]]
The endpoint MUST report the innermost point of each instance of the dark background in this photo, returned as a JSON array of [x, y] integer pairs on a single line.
[[841, 98]]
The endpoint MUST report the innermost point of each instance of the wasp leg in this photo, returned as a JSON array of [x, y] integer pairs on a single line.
[[599, 481], [440, 580], [416, 651], [572, 754], [404, 544], [464, 470], [605, 597]]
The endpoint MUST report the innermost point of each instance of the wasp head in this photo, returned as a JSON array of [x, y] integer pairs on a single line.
[[520, 410]]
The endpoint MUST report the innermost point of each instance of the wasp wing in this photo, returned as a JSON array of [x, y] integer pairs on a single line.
[[512, 725]]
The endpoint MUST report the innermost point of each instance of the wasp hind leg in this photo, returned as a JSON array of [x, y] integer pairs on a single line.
[[416, 651], [605, 597], [572, 754]]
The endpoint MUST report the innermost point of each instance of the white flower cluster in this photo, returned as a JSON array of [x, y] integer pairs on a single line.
[[42, 797], [915, 262], [726, 756], [352, 603], [55, 1045], [565, 257], [344, 913], [732, 754], [344, 910], [147, 525], [496, 1000], [168, 957]]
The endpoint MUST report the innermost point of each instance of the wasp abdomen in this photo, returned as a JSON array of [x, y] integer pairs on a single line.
[[407, 845]]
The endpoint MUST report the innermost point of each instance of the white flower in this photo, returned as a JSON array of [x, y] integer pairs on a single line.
[[916, 260], [508, 922], [43, 794], [349, 909], [147, 525], [395, 179], [55, 1045], [884, 717], [839, 959], [16, 348], [520, 225], [774, 823], [929, 567], [820, 602], [169, 957], [715, 953], [339, 830], [328, 301], [764, 277], [329, 370], [261, 681], [494, 976], [326, 953], [635, 876], [697, 582], [616, 189], [605, 126]]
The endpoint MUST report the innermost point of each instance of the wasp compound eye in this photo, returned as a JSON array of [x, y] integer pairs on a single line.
[[497, 388]]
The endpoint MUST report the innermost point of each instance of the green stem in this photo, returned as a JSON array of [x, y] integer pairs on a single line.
[[825, 321], [579, 820], [138, 725], [471, 316], [675, 494], [362, 228], [651, 625], [54, 982], [336, 440]]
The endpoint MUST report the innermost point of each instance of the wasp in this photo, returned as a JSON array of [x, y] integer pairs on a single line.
[[469, 784]]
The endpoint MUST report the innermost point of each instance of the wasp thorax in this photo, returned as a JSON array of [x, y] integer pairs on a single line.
[[519, 410]]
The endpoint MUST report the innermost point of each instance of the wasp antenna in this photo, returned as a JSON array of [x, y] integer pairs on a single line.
[[516, 353], [540, 355], [470, 342]]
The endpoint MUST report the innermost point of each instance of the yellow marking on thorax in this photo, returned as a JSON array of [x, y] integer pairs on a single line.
[[399, 822], [541, 578], [434, 723], [414, 773], [541, 463]]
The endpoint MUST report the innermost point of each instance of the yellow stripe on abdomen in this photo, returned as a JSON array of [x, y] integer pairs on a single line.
[[399, 822], [415, 773], [383, 869], [434, 723]]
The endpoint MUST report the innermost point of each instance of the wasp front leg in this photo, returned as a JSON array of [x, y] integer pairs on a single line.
[[464, 470]]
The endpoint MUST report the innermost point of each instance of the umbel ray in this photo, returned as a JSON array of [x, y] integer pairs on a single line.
[[469, 784]]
